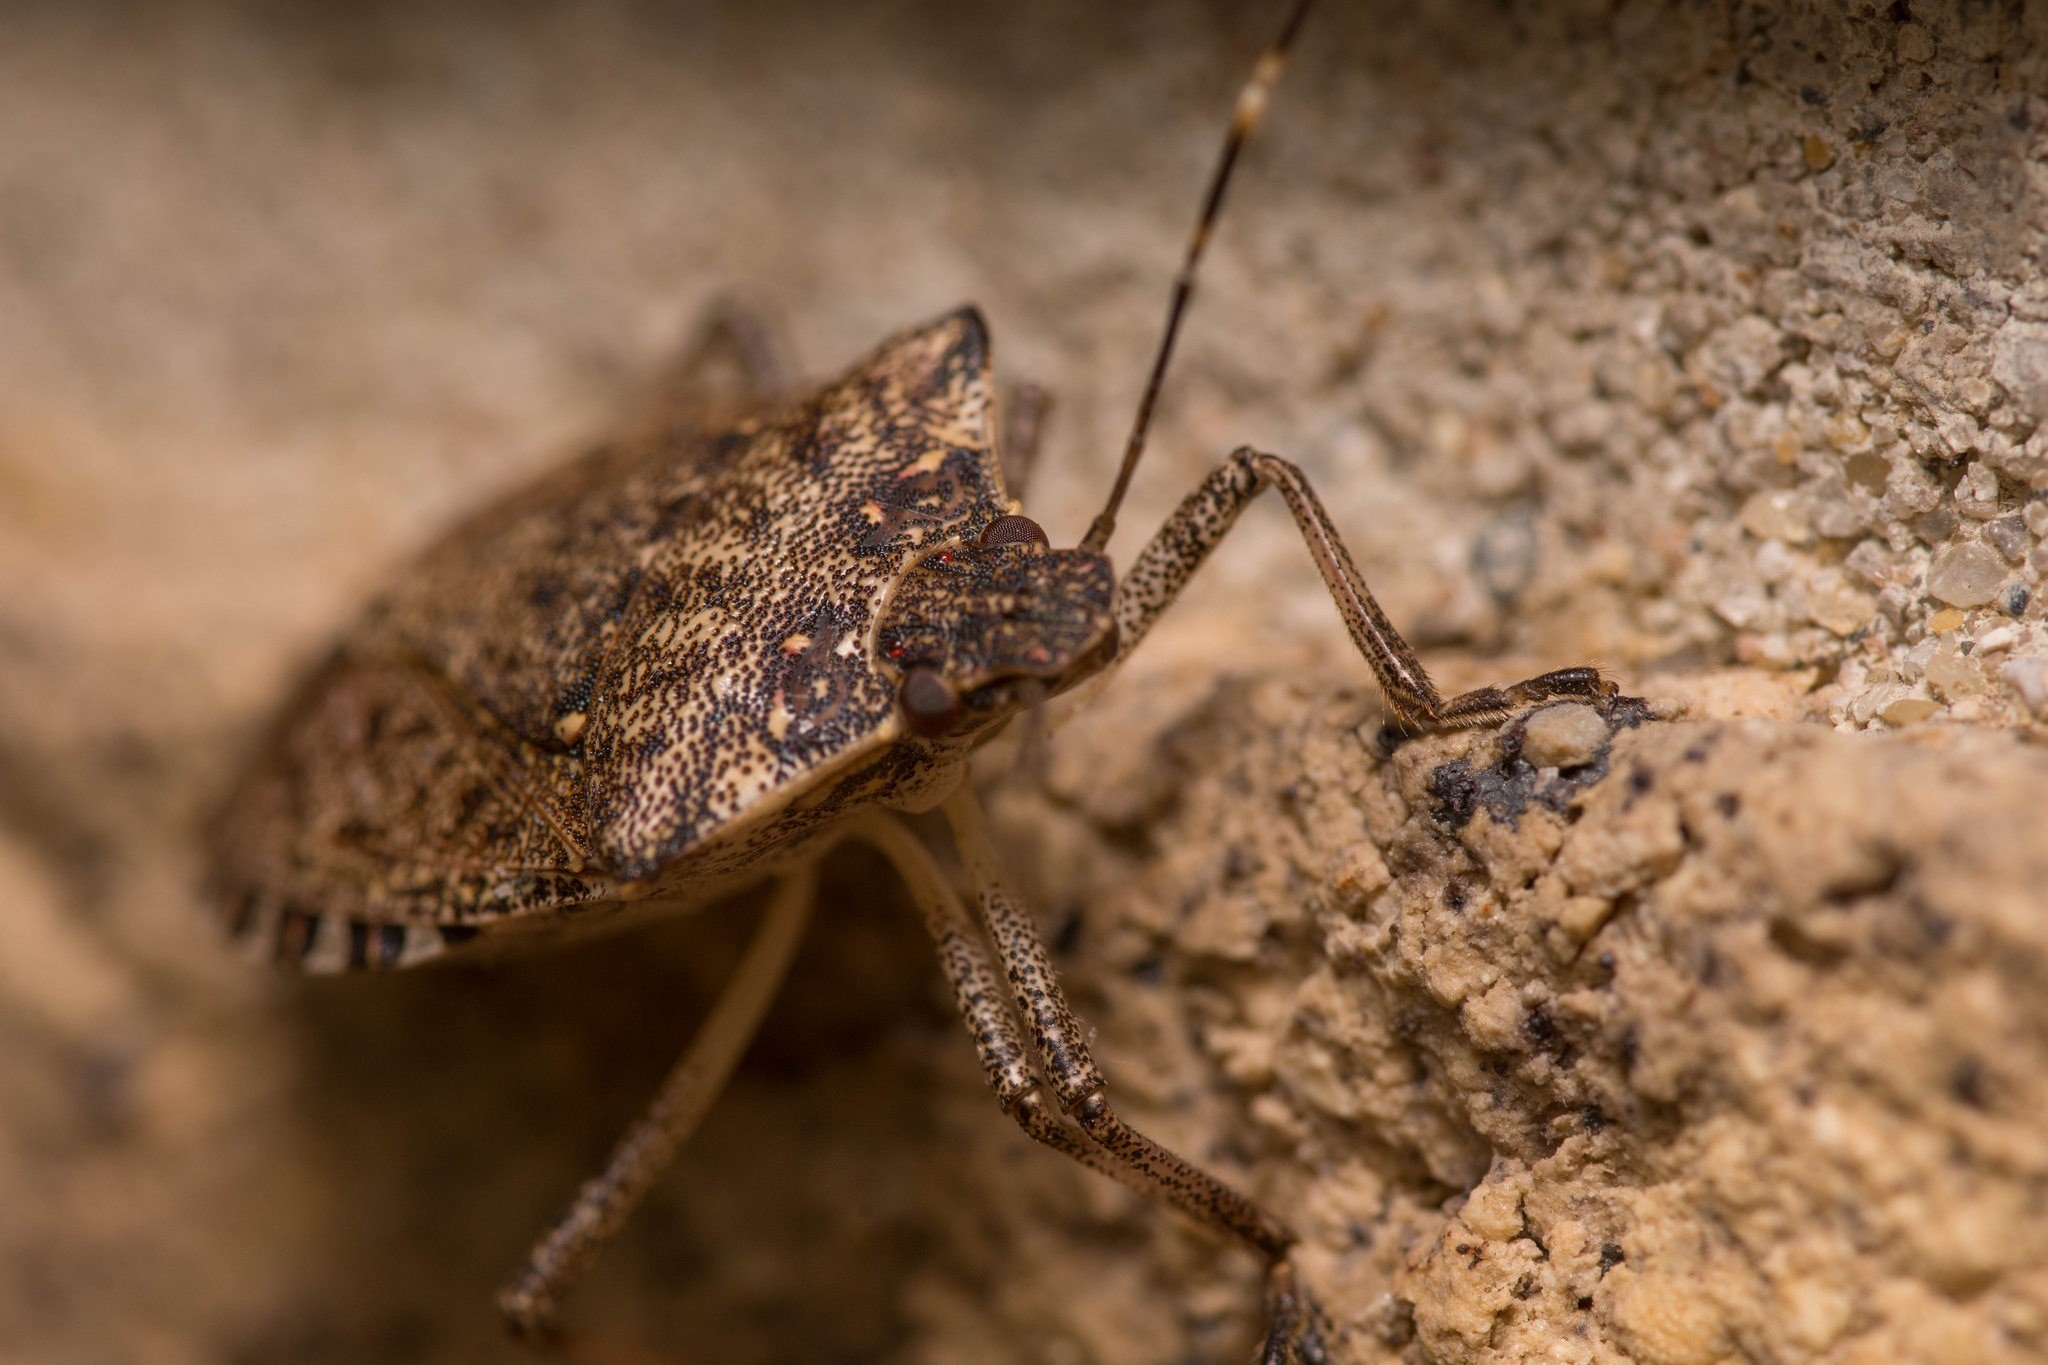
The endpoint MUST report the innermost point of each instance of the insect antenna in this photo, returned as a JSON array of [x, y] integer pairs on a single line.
[[1033, 752], [1251, 107]]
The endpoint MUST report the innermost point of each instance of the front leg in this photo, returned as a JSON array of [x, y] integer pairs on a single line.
[[1162, 569]]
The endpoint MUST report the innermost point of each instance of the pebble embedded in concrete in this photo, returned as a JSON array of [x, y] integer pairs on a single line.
[[1564, 736], [1954, 674], [2028, 677], [2009, 536], [1836, 605], [1966, 575], [1908, 710]]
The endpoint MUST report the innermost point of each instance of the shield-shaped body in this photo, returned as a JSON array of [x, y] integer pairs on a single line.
[[644, 676]]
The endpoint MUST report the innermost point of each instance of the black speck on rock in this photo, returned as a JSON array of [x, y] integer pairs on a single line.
[[1454, 787], [1539, 1026]]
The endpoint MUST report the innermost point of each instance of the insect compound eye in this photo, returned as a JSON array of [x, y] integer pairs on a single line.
[[929, 702], [1013, 530]]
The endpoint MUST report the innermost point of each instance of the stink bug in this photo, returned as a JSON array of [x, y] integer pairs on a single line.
[[703, 653]]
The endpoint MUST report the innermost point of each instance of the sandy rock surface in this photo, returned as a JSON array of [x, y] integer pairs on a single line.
[[1723, 1043], [1706, 343]]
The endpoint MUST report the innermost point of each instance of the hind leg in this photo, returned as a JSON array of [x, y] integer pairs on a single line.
[[731, 361], [530, 1302]]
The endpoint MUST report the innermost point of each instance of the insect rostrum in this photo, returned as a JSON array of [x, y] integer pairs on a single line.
[[703, 653]]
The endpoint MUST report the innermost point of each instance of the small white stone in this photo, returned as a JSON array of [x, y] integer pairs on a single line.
[[1997, 638], [1848, 513], [1865, 706], [1869, 563], [1976, 493], [1743, 605], [1953, 674], [1835, 605], [2008, 535], [1564, 736], [1774, 563]]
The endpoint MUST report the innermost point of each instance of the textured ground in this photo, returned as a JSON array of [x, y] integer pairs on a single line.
[[1723, 1040], [1709, 343]]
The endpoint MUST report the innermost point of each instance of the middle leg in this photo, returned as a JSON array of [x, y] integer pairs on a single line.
[[978, 991], [1104, 1143]]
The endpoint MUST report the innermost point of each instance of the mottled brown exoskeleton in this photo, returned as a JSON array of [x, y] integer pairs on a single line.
[[702, 654]]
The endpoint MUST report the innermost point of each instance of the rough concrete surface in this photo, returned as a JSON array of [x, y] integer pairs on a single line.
[[1708, 342], [1724, 1042]]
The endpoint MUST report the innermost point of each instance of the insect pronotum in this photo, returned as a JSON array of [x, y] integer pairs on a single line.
[[708, 650]]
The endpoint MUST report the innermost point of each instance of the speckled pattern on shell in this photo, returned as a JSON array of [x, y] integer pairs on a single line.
[[656, 657]]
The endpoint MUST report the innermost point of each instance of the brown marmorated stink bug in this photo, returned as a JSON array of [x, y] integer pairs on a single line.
[[700, 655]]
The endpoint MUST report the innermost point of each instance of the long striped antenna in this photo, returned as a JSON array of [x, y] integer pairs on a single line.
[[1251, 107]]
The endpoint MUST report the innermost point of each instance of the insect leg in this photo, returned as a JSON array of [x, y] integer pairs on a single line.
[[1163, 567], [731, 360], [1294, 1325], [978, 990], [1059, 1041], [1025, 412], [530, 1301]]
